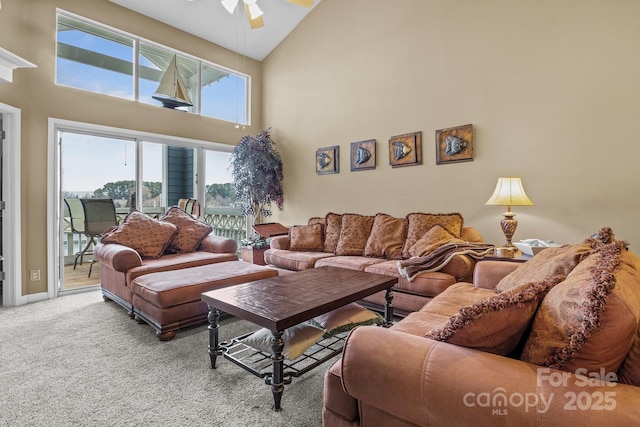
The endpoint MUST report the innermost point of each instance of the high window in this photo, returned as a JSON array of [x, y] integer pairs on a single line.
[[97, 58]]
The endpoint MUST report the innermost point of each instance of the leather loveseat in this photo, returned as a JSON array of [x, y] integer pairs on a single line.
[[375, 244], [554, 341], [142, 245]]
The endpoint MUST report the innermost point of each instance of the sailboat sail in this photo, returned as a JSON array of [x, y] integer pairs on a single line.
[[172, 92]]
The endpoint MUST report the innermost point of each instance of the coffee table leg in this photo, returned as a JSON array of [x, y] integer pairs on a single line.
[[388, 308], [214, 349], [277, 381]]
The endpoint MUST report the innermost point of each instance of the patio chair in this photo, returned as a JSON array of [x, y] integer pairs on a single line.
[[98, 215], [190, 206]]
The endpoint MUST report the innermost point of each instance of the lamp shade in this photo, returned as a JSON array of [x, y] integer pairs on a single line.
[[509, 192]]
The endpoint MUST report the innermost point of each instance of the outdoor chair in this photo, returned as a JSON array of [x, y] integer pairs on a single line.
[[90, 217], [190, 206]]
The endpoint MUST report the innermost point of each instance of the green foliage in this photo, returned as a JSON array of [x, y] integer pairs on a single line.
[[257, 174], [123, 190], [222, 191]]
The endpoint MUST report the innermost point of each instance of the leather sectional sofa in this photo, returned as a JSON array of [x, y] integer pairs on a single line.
[[375, 244], [553, 341]]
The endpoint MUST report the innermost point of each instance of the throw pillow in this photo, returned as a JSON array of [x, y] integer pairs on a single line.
[[345, 318], [495, 324], [434, 238], [590, 320], [387, 237], [306, 238], [317, 220], [148, 236], [354, 233], [551, 261], [297, 340], [191, 231], [420, 223], [332, 231]]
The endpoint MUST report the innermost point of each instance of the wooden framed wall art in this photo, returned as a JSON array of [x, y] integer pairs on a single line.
[[405, 150], [454, 144], [328, 160], [363, 155]]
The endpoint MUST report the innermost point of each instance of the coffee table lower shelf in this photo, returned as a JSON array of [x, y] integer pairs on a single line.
[[260, 363]]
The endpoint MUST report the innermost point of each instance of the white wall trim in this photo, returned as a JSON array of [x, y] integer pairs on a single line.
[[11, 224]]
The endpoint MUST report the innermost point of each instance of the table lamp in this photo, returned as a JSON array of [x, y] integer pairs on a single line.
[[509, 192]]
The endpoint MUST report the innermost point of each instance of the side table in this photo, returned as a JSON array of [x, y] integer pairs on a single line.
[[253, 255]]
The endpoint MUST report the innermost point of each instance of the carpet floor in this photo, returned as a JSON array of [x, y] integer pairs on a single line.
[[78, 360]]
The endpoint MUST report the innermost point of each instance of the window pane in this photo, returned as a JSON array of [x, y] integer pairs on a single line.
[[219, 181], [153, 194], [224, 95], [93, 58]]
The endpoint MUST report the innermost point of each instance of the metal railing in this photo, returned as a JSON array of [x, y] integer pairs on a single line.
[[226, 222]]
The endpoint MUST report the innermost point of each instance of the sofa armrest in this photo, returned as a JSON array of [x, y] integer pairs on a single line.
[[118, 257], [217, 244], [280, 242], [488, 273], [428, 382], [461, 267]]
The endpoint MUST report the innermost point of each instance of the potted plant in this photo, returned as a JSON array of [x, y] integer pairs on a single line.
[[256, 167]]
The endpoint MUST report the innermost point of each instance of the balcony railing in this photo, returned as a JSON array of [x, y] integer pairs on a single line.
[[226, 222]]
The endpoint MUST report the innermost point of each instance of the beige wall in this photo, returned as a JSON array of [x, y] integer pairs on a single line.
[[550, 86], [28, 28]]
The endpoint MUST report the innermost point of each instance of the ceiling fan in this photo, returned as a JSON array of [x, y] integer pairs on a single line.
[[254, 13]]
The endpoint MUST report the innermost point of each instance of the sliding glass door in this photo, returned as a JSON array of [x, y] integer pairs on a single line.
[[141, 174]]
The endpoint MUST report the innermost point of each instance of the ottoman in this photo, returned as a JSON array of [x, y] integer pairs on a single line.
[[170, 300]]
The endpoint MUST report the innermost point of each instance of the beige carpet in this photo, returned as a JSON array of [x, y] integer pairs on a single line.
[[80, 361]]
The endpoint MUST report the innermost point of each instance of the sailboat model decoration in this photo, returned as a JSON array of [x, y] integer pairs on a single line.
[[172, 92]]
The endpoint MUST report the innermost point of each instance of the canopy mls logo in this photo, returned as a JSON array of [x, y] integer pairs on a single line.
[[499, 400]]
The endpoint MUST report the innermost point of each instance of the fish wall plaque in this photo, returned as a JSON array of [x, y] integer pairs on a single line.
[[328, 160], [405, 150], [363, 155], [454, 144]]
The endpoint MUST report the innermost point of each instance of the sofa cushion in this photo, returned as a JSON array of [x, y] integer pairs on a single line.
[[306, 238], [349, 262], [354, 233], [191, 231], [331, 231], [551, 261], [387, 237], [589, 320], [345, 318], [434, 238], [148, 236], [317, 220], [495, 324], [294, 260], [420, 223], [297, 339]]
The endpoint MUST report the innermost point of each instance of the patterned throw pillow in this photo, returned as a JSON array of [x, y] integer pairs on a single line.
[[148, 236], [420, 223], [190, 233], [495, 324], [560, 260], [332, 231], [346, 318], [432, 240], [387, 237], [306, 238], [354, 233], [590, 320]]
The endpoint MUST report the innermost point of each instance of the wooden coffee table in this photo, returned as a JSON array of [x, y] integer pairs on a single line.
[[280, 302]]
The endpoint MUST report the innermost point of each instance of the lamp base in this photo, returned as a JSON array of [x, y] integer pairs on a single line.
[[509, 225], [506, 252]]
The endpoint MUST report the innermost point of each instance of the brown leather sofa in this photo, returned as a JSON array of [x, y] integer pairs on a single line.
[[375, 244], [550, 342], [121, 265]]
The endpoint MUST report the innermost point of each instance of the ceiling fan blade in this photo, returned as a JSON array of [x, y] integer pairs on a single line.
[[305, 3], [253, 23]]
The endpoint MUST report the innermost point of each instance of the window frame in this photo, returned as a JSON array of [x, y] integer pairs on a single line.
[[137, 41]]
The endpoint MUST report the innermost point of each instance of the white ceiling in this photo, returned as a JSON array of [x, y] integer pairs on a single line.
[[209, 20]]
